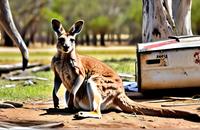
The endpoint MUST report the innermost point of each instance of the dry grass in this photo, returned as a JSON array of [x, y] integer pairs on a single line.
[[120, 59]]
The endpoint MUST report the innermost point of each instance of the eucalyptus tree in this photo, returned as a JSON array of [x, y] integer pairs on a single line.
[[163, 18]]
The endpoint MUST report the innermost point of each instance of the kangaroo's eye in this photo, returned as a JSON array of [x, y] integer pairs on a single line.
[[61, 40], [72, 40]]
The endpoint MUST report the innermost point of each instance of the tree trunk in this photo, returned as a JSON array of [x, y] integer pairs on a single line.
[[7, 40], [80, 40], [112, 37], [87, 39], [102, 39], [48, 38], [28, 25], [52, 39], [94, 39], [33, 33], [119, 38], [163, 18], [182, 16]]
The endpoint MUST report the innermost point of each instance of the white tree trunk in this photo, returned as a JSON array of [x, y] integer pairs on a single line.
[[164, 18], [182, 16]]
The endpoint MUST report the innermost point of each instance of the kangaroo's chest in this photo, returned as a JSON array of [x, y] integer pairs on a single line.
[[66, 73]]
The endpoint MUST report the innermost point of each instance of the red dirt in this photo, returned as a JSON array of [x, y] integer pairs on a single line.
[[34, 114]]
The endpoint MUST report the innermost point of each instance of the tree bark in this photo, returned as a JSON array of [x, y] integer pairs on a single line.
[[182, 16], [163, 18]]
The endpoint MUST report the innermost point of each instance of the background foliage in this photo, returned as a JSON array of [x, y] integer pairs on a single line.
[[102, 17], [105, 20]]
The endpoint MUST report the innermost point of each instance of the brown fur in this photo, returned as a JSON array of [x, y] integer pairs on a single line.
[[101, 87]]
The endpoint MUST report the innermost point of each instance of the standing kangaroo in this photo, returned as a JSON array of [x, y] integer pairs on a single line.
[[91, 85]]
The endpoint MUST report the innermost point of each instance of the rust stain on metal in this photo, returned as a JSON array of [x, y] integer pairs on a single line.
[[197, 57]]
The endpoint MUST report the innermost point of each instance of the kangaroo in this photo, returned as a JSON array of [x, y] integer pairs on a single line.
[[91, 85]]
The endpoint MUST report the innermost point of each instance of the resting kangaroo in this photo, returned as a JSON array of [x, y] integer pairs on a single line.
[[91, 85]]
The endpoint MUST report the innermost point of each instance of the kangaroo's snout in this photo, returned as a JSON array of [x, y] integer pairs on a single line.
[[65, 47]]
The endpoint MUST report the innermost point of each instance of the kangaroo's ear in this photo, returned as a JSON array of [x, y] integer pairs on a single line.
[[76, 28], [57, 27]]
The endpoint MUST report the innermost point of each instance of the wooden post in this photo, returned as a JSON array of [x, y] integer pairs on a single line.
[[163, 18]]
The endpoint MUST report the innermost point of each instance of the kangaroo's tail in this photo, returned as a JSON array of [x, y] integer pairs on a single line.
[[129, 106]]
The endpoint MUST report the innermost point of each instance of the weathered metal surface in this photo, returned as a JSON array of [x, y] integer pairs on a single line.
[[169, 64], [173, 43]]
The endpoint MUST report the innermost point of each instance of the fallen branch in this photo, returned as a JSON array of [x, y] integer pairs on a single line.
[[171, 99], [6, 105], [16, 78], [15, 104], [41, 68], [49, 125], [21, 72], [9, 104], [8, 68], [8, 86], [180, 98], [161, 100], [178, 105]]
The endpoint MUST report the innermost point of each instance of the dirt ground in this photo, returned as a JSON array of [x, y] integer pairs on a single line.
[[34, 115]]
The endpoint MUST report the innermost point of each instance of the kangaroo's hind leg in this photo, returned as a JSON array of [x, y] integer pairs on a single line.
[[94, 101]]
